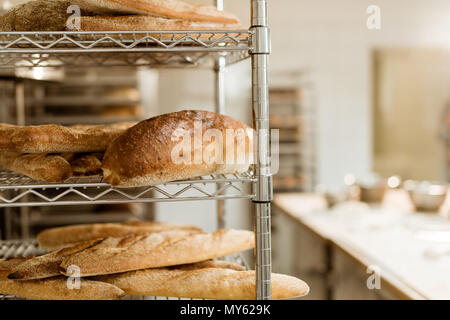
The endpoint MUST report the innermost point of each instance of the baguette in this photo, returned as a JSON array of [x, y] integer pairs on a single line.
[[144, 154], [54, 138], [203, 283], [142, 23], [47, 265], [53, 288], [158, 250], [53, 16], [40, 166], [55, 238], [161, 8], [40, 15]]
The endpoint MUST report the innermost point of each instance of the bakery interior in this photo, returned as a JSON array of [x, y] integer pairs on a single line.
[[359, 102]]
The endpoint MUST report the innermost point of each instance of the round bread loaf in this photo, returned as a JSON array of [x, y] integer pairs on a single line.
[[178, 146]]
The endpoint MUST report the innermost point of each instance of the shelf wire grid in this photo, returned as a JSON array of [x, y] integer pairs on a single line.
[[130, 48], [30, 248], [17, 190]]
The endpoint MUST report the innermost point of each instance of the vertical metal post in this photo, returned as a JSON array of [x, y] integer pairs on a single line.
[[219, 73], [260, 49], [20, 110], [219, 5]]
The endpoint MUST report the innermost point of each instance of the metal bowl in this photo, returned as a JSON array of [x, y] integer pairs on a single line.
[[425, 195]]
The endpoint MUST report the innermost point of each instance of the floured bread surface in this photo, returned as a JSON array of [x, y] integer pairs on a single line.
[[153, 151]]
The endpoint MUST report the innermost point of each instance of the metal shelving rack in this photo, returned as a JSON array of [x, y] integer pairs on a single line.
[[213, 49]]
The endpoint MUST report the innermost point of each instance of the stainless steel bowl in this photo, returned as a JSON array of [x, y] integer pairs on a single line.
[[425, 195]]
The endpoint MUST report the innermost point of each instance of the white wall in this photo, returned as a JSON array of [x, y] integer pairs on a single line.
[[330, 39]]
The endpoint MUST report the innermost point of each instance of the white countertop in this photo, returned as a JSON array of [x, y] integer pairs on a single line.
[[411, 249]]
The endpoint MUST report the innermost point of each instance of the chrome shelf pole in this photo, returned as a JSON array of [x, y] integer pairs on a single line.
[[260, 49], [220, 106]]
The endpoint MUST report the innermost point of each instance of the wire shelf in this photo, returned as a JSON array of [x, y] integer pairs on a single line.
[[17, 190], [30, 248], [122, 48], [19, 248]]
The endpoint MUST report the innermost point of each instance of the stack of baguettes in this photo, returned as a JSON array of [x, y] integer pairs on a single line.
[[116, 15], [139, 258], [54, 153]]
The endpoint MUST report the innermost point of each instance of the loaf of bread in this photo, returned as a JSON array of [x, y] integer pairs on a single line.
[[142, 22], [54, 138], [165, 148], [158, 250], [47, 265], [160, 8], [85, 165], [53, 288], [203, 282], [52, 16], [39, 15], [55, 238], [41, 166]]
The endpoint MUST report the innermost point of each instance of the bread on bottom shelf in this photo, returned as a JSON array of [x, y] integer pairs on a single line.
[[55, 238], [47, 265], [203, 282], [54, 288], [157, 250]]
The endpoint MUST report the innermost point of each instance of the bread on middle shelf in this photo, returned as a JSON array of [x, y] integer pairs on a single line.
[[54, 138], [41, 166], [54, 288], [176, 146]]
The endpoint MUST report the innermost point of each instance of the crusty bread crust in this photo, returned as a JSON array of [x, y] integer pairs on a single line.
[[147, 15], [161, 8], [47, 265], [158, 250], [53, 288], [53, 138], [143, 154], [39, 15], [63, 236], [47, 167], [85, 165], [203, 283], [149, 23]]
